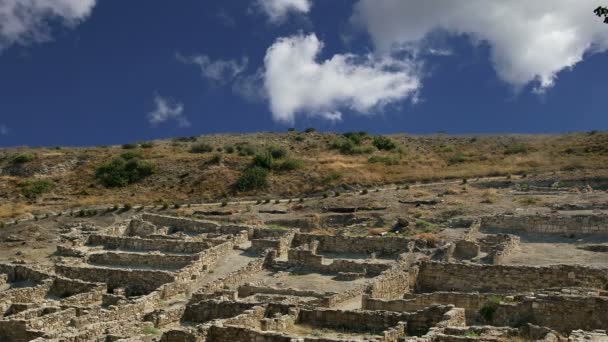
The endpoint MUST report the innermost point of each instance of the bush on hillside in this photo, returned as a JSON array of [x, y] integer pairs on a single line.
[[264, 160], [201, 148], [253, 178], [34, 188], [121, 172], [23, 158], [384, 143]]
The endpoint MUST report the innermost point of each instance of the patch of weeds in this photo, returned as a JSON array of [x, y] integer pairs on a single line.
[[34, 188], [457, 158], [489, 308], [384, 143], [150, 330], [386, 160], [516, 148], [425, 225], [528, 200], [201, 148], [289, 165], [129, 146]]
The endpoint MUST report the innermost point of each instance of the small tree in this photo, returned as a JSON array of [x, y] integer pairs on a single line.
[[602, 11]]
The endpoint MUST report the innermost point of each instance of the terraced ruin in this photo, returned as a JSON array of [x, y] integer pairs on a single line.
[[318, 270]]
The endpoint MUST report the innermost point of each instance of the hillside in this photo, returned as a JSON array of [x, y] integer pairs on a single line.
[[206, 168]]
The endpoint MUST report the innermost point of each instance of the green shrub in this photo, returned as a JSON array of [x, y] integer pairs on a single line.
[[277, 152], [184, 139], [289, 165], [150, 330], [229, 149], [245, 150], [146, 144], [291, 129], [131, 155], [34, 188], [310, 130], [347, 146], [516, 148], [300, 138], [425, 225], [356, 137], [263, 160], [253, 178], [201, 148], [127, 207], [216, 159], [23, 158], [383, 160], [121, 172], [489, 308], [457, 158], [384, 143], [129, 146]]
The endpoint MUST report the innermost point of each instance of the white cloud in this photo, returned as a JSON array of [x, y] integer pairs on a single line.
[[277, 10], [221, 71], [4, 130], [27, 21], [167, 110], [297, 83], [530, 40]]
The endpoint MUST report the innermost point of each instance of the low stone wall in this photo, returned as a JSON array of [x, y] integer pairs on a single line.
[[152, 260], [208, 310], [498, 246], [139, 281], [547, 224], [189, 225], [309, 260], [233, 279], [379, 246], [146, 245], [471, 302], [561, 313], [436, 276], [391, 284], [17, 273]]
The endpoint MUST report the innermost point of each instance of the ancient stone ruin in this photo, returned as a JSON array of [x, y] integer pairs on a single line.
[[163, 278]]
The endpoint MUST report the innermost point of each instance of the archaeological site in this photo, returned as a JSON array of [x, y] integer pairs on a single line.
[[528, 263]]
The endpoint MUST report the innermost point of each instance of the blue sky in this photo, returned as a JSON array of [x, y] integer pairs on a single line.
[[87, 72]]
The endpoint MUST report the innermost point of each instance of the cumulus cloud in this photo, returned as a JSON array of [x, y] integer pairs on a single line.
[[530, 41], [296, 82], [27, 21], [278, 10], [167, 110], [221, 71]]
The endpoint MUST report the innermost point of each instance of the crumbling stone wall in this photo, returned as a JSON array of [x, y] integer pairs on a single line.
[[139, 244], [152, 260], [391, 284], [207, 310], [436, 276], [189, 225], [498, 246], [547, 224], [355, 245], [562, 313]]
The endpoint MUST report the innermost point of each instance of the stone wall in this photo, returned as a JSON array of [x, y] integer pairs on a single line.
[[139, 244], [435, 276], [236, 278], [471, 302], [498, 246], [391, 284], [547, 224], [379, 246], [561, 313], [306, 258], [207, 310], [189, 225], [152, 260], [139, 281]]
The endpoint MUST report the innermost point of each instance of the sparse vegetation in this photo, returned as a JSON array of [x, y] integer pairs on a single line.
[[516, 148], [201, 148], [34, 188], [383, 160]]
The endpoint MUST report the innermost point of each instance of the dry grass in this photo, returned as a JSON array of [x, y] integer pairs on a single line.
[[185, 177]]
